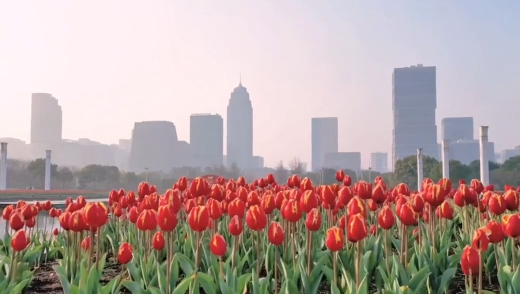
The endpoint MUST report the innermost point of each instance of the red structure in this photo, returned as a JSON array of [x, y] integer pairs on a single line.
[[211, 179]]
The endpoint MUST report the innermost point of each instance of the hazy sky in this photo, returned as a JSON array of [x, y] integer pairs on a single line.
[[111, 63]]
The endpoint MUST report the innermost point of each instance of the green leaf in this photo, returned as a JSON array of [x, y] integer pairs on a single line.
[[446, 278], [206, 281], [515, 281], [133, 287], [333, 289], [290, 287], [20, 287], [62, 274], [183, 286], [224, 288], [243, 280], [134, 272], [419, 279]]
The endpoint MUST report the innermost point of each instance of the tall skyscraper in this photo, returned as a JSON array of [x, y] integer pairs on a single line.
[[324, 139], [414, 103], [379, 162], [457, 128], [46, 121], [240, 129], [207, 140], [153, 146]]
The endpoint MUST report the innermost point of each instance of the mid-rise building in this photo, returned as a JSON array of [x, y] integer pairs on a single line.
[[153, 146], [343, 160], [206, 140], [379, 162], [508, 153], [414, 101], [324, 133], [239, 129], [18, 149], [457, 128], [258, 162]]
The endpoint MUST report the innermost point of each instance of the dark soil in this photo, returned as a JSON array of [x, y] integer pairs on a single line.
[[46, 280], [458, 284]]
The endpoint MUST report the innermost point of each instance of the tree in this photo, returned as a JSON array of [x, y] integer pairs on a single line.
[[296, 166], [112, 175], [281, 174], [459, 171], [512, 164], [93, 173], [65, 176], [475, 168], [406, 170], [37, 169], [235, 171], [501, 177]]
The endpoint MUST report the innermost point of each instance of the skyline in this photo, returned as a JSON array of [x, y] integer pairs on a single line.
[[180, 65]]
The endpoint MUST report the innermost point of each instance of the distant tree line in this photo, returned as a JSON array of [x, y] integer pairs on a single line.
[[24, 174]]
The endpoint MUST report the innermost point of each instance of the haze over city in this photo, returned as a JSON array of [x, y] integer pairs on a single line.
[[113, 63]]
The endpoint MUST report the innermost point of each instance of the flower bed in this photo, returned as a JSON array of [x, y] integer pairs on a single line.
[[259, 238]]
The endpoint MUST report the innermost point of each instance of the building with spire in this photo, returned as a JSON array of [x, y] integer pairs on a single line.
[[240, 129]]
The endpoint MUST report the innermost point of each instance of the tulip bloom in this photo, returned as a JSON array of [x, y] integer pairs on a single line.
[[511, 225], [125, 253], [19, 241], [86, 243], [357, 228], [334, 239], [16, 221], [496, 233], [386, 218], [96, 214], [198, 219], [256, 219], [235, 226], [158, 241], [147, 220], [292, 211], [275, 234], [218, 245], [469, 261], [313, 221], [166, 217]]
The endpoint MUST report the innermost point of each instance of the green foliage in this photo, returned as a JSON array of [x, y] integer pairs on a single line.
[[406, 171], [37, 168]]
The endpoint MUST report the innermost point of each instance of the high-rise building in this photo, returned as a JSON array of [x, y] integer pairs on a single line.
[[153, 146], [240, 129], [379, 162], [414, 101], [206, 140], [324, 139], [457, 128], [46, 123], [467, 151]]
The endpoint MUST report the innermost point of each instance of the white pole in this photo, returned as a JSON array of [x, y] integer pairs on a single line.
[[446, 159], [420, 172], [3, 166], [484, 160], [47, 169]]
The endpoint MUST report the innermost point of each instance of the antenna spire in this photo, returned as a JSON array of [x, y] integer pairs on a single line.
[[240, 78]]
